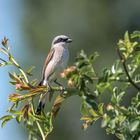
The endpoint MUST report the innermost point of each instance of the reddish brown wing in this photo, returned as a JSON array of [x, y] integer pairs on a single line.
[[48, 59]]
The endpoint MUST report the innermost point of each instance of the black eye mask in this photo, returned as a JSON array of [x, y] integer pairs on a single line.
[[61, 40]]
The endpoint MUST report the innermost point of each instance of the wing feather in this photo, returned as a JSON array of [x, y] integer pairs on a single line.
[[48, 59]]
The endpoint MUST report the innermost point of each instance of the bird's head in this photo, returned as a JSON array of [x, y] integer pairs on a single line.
[[61, 40]]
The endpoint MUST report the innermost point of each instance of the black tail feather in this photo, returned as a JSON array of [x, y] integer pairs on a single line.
[[40, 108]]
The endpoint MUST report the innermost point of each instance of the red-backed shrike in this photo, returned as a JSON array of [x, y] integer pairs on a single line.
[[55, 63]]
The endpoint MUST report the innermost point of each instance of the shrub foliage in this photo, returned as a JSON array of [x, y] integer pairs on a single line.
[[85, 82]]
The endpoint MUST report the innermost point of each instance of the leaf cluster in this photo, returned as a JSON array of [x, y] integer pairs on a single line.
[[84, 81]]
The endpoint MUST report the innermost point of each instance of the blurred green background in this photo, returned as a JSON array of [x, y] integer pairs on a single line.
[[94, 25]]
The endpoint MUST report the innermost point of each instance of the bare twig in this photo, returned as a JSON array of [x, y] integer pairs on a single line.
[[126, 71]]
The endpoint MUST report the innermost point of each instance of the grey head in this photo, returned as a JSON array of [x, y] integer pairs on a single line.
[[61, 39]]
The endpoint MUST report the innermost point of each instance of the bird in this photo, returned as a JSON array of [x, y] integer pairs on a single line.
[[55, 63]]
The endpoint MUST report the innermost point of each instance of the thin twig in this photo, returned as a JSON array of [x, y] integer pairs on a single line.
[[19, 67], [126, 71], [37, 123], [2, 60], [41, 131]]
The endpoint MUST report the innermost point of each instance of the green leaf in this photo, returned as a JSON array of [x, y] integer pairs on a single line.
[[4, 51], [18, 118], [11, 59], [15, 112], [116, 68], [126, 37], [94, 114], [14, 76], [91, 101], [13, 82], [112, 123], [3, 60], [29, 71], [3, 64], [120, 136], [86, 118], [134, 125], [121, 119], [135, 34], [93, 56], [5, 119], [38, 118], [88, 78], [101, 87], [100, 108], [114, 95], [105, 75], [119, 97], [84, 110], [105, 121], [82, 54]]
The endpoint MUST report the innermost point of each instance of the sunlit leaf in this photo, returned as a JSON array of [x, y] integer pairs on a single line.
[[29, 71], [135, 34], [84, 109], [100, 108], [5, 119], [19, 118], [14, 76], [134, 125]]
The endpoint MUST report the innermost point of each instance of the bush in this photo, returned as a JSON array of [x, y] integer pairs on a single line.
[[82, 81]]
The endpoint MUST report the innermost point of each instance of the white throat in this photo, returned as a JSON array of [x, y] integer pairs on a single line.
[[62, 44]]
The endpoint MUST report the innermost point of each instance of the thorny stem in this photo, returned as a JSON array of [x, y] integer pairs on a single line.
[[126, 71]]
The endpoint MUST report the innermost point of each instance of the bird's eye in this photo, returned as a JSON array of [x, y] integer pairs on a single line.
[[61, 39]]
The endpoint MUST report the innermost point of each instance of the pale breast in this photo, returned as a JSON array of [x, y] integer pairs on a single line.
[[60, 61], [64, 58]]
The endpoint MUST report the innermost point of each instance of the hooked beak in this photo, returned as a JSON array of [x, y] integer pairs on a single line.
[[69, 40]]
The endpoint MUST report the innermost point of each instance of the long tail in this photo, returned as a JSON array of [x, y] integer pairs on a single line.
[[43, 98], [41, 104], [42, 101]]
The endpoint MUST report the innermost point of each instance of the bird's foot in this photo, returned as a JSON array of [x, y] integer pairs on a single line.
[[61, 86]]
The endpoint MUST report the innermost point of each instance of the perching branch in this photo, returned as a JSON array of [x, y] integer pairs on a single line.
[[126, 71], [82, 81]]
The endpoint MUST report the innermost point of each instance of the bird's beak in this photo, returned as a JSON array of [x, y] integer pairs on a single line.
[[69, 40]]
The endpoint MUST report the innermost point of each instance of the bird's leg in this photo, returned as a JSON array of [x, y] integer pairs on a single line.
[[62, 88], [50, 91], [49, 88], [41, 105], [56, 82], [46, 83]]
